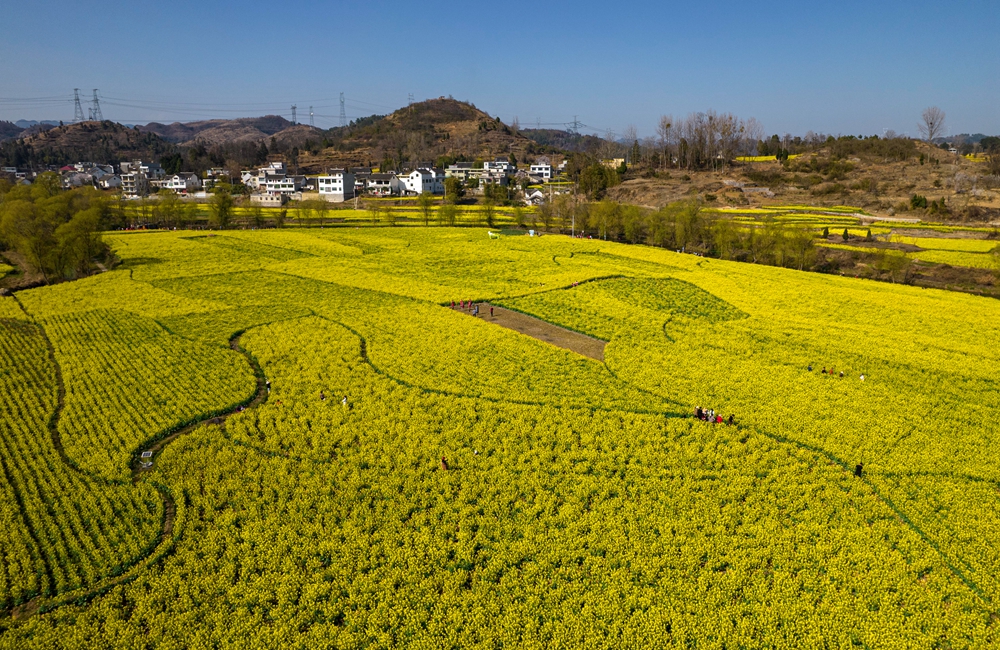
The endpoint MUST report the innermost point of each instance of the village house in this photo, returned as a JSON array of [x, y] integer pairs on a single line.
[[500, 164], [381, 184], [424, 180], [337, 185], [542, 170], [285, 185], [269, 200], [459, 170], [182, 183]]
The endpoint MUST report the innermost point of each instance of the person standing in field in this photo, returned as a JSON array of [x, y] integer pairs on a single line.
[[491, 311]]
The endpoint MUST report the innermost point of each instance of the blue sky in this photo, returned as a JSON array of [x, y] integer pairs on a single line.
[[832, 67]]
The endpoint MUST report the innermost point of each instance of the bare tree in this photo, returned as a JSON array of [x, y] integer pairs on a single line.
[[933, 123], [753, 132], [664, 131]]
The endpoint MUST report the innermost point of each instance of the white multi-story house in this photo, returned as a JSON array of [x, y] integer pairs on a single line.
[[150, 170], [284, 185], [336, 186], [544, 171], [424, 180], [134, 184], [381, 184], [500, 164], [459, 170], [138, 176], [183, 182]]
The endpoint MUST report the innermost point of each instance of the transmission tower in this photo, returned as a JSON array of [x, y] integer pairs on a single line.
[[95, 112], [312, 120], [77, 109], [409, 99], [343, 113], [575, 125], [293, 113]]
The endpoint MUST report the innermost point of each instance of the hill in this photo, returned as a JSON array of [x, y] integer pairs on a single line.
[[840, 174], [424, 131], [102, 142], [9, 130], [244, 129]]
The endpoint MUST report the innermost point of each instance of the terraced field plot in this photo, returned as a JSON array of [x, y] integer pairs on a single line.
[[369, 467]]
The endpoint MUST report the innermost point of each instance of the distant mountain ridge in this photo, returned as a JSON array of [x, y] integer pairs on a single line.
[[435, 131], [102, 142], [243, 129], [9, 130], [24, 124]]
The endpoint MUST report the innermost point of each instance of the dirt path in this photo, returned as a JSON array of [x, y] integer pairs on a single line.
[[538, 329], [153, 449]]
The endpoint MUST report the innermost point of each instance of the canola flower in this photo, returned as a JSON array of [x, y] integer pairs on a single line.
[[579, 508]]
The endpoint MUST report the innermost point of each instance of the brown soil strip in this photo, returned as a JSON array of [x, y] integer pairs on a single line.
[[34, 605], [538, 329], [952, 234], [156, 447]]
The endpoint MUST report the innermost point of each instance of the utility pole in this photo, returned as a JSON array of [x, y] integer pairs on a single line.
[[293, 113], [312, 120], [343, 112], [409, 99], [96, 110], [77, 109]]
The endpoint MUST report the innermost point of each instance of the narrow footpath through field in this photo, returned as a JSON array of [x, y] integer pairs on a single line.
[[543, 331]]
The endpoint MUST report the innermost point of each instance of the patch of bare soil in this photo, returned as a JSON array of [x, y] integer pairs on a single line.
[[24, 277], [538, 329], [957, 234], [877, 245]]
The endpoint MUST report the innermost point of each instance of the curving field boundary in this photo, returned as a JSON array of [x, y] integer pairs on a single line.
[[173, 508]]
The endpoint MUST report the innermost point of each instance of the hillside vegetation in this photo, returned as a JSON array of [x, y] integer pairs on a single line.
[[881, 179], [104, 142], [424, 131]]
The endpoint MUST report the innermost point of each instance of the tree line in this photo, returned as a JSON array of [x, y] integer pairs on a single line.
[[57, 232]]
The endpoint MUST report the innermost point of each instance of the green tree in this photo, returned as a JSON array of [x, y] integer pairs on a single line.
[[168, 209], [519, 216], [489, 211], [453, 190], [448, 214], [256, 214], [426, 202], [221, 207], [846, 235]]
